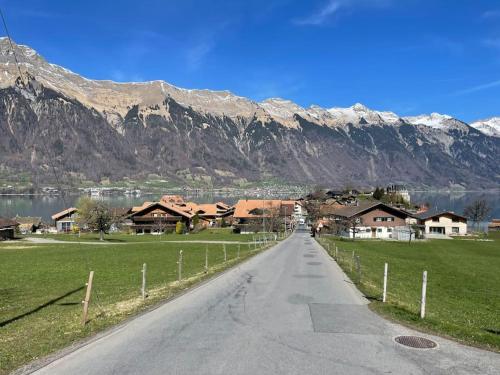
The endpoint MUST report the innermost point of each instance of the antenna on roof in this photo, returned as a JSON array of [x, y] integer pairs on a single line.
[[12, 47]]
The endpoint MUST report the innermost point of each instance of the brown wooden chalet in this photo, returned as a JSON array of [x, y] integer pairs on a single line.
[[159, 217]]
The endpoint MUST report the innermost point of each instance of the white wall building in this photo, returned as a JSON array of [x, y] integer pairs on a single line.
[[442, 223]]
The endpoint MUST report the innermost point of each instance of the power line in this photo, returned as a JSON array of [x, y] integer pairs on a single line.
[[12, 46], [53, 168]]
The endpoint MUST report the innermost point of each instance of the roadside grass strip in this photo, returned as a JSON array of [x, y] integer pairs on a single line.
[[42, 287], [463, 287]]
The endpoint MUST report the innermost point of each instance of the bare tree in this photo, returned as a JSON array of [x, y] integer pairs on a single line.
[[477, 211], [351, 225], [95, 215]]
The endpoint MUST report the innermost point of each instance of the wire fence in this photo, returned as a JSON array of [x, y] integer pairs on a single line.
[[400, 287]]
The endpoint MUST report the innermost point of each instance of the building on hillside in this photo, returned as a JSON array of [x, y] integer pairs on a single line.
[[368, 220], [268, 215], [442, 223], [159, 217], [8, 229], [494, 225], [400, 190], [65, 220], [28, 224]]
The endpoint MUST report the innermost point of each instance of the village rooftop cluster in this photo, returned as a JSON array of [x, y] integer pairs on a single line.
[[385, 213]]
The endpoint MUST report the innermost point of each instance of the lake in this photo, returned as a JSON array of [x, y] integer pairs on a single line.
[[45, 206]]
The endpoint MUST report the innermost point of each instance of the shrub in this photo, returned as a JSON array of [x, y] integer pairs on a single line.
[[179, 227]]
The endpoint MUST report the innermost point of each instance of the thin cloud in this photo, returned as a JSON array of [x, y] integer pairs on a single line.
[[320, 16], [492, 42], [333, 7], [196, 54], [482, 87], [495, 13]]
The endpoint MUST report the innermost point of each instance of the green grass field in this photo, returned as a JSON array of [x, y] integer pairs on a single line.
[[463, 290], [215, 234], [42, 286]]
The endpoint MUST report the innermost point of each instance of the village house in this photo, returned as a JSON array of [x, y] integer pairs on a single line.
[[7, 229], [494, 225], [172, 199], [442, 223], [65, 220], [28, 224], [158, 217], [366, 220], [269, 215], [211, 214]]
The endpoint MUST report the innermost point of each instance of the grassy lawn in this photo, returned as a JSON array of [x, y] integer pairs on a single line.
[[42, 286], [215, 234], [463, 290]]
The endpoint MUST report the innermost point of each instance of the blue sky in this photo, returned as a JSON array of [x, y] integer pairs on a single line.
[[408, 56]]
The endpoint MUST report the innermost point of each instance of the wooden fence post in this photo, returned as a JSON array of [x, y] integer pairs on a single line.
[[224, 250], [180, 265], [358, 268], [352, 261], [336, 254], [86, 301], [143, 289], [206, 258], [424, 295], [239, 246], [384, 295]]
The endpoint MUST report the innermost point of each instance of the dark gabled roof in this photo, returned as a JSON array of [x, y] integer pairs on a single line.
[[433, 213], [7, 223], [174, 208], [362, 207]]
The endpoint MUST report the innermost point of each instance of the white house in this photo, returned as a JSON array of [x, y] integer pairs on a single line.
[[442, 223]]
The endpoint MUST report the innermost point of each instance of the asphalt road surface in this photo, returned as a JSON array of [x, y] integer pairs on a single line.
[[289, 310]]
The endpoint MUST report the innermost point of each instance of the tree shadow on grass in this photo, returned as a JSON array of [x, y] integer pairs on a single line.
[[51, 302]]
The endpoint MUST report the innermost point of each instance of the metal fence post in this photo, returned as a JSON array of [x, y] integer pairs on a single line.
[[143, 289], [180, 265], [424, 295], [384, 295]]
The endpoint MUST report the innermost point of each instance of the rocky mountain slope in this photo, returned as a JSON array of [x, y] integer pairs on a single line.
[[56, 123]]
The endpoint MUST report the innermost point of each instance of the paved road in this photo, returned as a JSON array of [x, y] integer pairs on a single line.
[[289, 310]]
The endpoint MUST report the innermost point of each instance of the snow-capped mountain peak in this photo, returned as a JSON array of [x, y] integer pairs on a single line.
[[489, 126]]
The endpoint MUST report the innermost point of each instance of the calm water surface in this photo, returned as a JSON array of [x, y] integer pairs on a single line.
[[45, 206]]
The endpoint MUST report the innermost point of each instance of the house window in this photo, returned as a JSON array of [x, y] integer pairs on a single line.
[[389, 230], [379, 230], [390, 218], [368, 230], [455, 230]]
